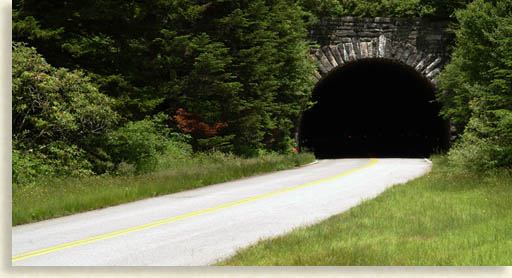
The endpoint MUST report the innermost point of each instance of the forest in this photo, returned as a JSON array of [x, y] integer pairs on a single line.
[[108, 87]]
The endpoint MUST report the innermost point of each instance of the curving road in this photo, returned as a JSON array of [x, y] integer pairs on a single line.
[[202, 226]]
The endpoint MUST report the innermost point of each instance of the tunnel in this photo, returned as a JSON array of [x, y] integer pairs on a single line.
[[373, 108]]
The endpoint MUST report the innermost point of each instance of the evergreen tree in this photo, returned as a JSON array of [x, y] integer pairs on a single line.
[[476, 87], [243, 63]]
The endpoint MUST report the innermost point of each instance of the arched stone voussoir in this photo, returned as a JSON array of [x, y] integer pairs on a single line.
[[352, 50], [382, 46], [330, 57], [324, 67], [336, 54], [409, 50]]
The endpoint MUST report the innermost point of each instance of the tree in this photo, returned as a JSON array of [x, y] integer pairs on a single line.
[[476, 88], [269, 50], [239, 62], [111, 40]]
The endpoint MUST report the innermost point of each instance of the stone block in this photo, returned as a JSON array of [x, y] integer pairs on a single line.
[[371, 51], [382, 19], [363, 46], [327, 52], [322, 69], [325, 62], [317, 75], [434, 64], [405, 55], [382, 46], [349, 47], [398, 52], [412, 58], [421, 65], [433, 73], [346, 33], [337, 55], [357, 50], [367, 34], [343, 52]]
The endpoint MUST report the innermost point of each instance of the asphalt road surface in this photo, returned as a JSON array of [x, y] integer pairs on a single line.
[[202, 226]]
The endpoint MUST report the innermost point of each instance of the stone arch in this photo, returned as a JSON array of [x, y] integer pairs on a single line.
[[336, 60], [350, 50]]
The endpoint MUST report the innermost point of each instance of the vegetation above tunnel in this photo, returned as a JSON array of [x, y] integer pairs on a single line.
[[384, 8]]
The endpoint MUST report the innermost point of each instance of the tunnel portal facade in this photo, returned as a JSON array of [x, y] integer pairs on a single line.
[[375, 91]]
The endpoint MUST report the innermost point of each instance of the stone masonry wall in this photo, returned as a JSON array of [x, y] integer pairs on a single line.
[[419, 43]]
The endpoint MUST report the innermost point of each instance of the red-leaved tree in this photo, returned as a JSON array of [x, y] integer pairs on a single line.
[[189, 123]]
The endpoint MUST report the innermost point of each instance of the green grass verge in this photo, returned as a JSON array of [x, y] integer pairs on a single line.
[[54, 198], [442, 218]]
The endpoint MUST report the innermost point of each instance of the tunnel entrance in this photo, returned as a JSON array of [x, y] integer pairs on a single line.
[[374, 108]]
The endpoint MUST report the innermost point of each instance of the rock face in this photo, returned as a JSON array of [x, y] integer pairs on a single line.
[[417, 43]]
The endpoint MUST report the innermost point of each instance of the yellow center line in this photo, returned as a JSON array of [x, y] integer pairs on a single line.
[[39, 252]]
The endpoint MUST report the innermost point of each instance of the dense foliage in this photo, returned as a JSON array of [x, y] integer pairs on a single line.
[[238, 66], [63, 126], [477, 86], [385, 8], [129, 82], [237, 62], [55, 114]]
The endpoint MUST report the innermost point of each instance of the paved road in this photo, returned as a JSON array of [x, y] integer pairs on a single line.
[[201, 226]]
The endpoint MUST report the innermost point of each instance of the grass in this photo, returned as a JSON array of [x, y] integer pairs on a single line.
[[442, 218], [55, 198]]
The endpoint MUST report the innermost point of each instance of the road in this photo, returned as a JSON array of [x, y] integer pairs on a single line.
[[202, 226]]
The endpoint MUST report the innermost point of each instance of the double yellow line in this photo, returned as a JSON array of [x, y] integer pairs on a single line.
[[39, 252]]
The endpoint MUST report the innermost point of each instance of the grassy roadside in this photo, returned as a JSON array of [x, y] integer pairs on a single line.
[[443, 218], [54, 198]]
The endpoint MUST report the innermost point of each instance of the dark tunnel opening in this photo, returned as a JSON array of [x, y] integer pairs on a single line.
[[374, 108]]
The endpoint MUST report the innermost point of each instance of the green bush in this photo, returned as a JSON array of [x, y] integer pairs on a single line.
[[486, 143], [136, 143], [55, 112], [146, 145], [51, 104], [30, 167], [26, 168]]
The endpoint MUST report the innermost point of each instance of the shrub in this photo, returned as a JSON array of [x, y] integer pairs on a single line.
[[146, 144], [486, 142], [27, 168], [136, 143], [52, 104], [54, 113]]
